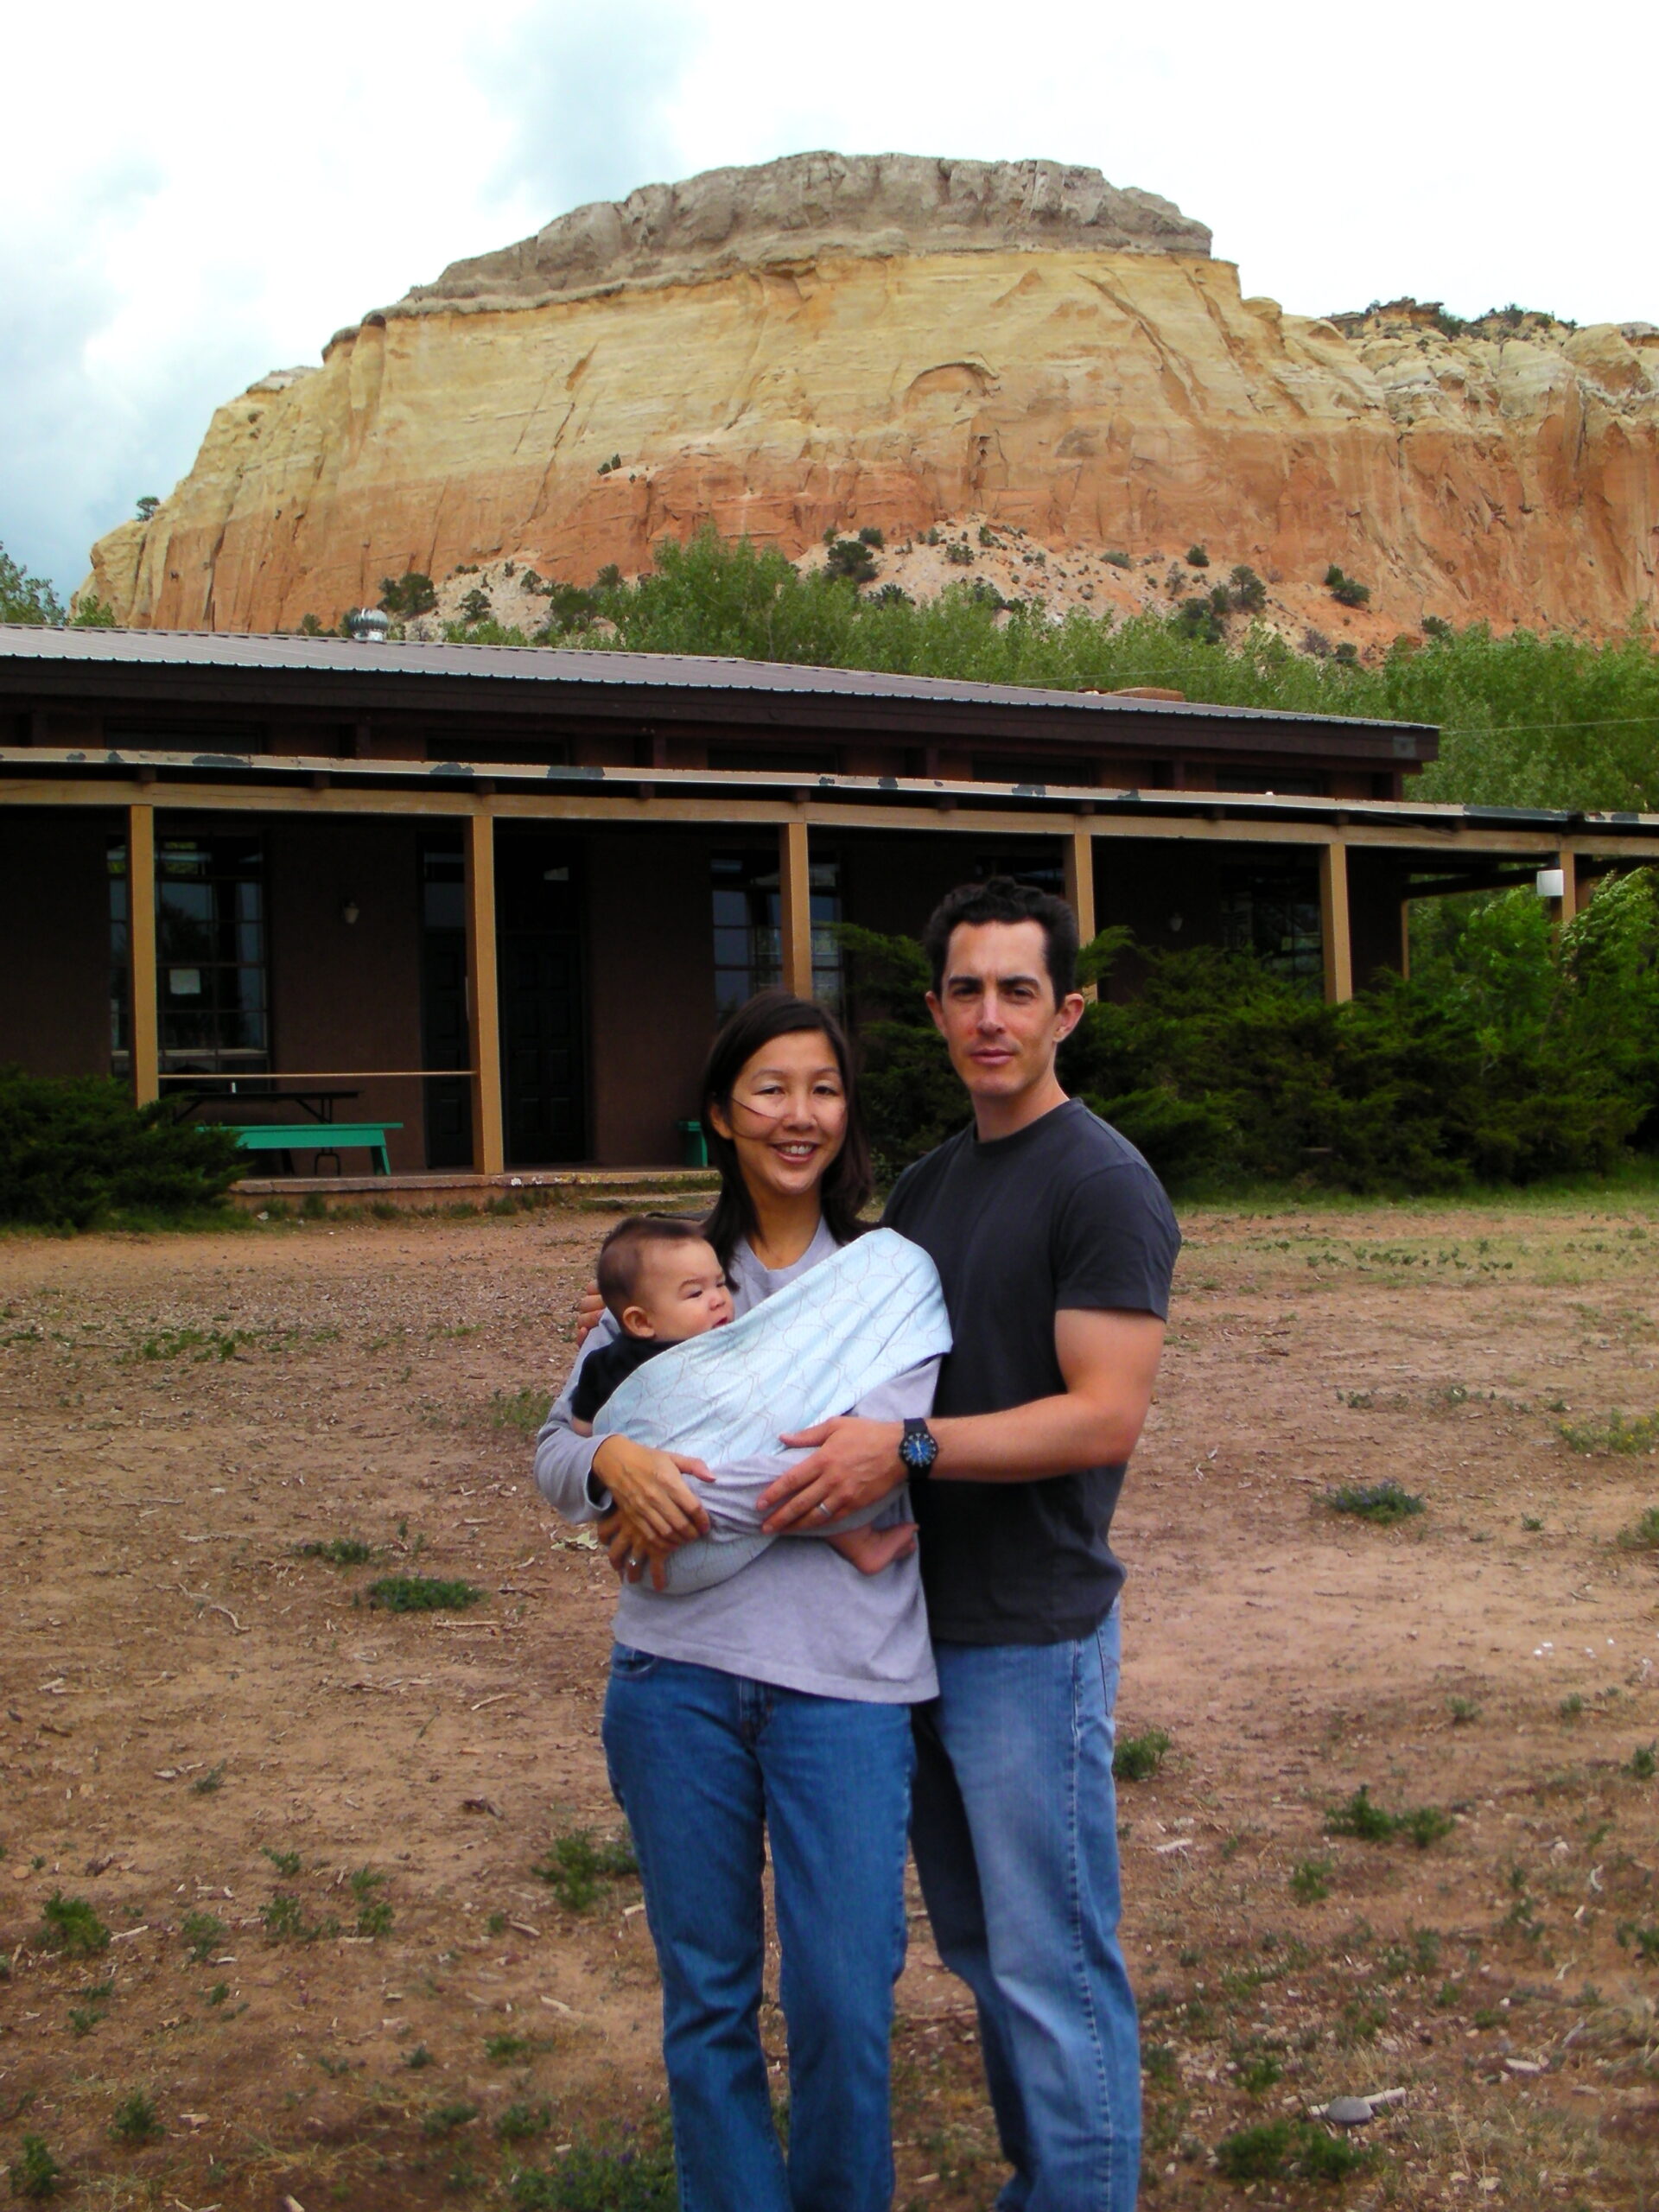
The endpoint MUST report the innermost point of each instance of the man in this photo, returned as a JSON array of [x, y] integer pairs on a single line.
[[1055, 1244]]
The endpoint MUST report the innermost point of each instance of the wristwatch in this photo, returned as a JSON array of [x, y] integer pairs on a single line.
[[918, 1448]]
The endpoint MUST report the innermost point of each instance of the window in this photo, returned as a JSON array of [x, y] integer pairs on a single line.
[[748, 929], [210, 955], [1274, 913]]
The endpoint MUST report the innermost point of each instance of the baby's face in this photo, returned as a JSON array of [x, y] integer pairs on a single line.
[[682, 1292]]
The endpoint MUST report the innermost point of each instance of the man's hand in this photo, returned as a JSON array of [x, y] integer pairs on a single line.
[[630, 1550], [652, 1490], [854, 1462]]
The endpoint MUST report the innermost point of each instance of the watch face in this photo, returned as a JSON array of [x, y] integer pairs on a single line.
[[919, 1451]]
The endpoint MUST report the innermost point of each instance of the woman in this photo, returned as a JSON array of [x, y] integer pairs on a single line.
[[774, 1706]]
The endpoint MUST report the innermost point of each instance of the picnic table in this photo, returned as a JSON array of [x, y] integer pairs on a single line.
[[324, 1138], [318, 1104]]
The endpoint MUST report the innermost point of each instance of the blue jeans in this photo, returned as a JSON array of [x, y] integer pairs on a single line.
[[1015, 1834], [706, 1766]]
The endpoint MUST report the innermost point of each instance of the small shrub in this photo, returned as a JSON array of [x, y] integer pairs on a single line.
[[285, 1920], [1197, 557], [959, 553], [636, 2175], [508, 2050], [407, 596], [1463, 1710], [519, 2122], [1258, 2154], [1615, 1434], [339, 1551], [422, 1594], [1347, 591], [37, 2174], [1310, 1879], [70, 1925], [135, 2120], [1137, 1758], [1643, 1761], [577, 1868], [285, 1862], [73, 1148], [476, 607], [1248, 592], [1259, 2075], [1642, 1536], [203, 1932], [418, 2057], [1362, 1817], [871, 536], [1570, 1707], [217, 1993], [205, 1785], [1385, 1503], [1118, 560], [444, 2119]]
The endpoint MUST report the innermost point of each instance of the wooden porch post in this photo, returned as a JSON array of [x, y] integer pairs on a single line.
[[1078, 855], [1333, 922], [144, 1055], [483, 994], [795, 907], [1566, 908]]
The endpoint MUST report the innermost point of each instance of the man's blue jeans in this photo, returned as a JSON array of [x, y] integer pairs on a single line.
[[706, 1766], [1015, 1834]]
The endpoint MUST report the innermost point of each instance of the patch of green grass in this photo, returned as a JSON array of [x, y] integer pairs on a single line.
[[217, 1993], [1531, 1524], [1287, 2149], [520, 2122], [525, 1410], [1642, 1534], [1570, 1707], [1614, 1434], [203, 1932], [508, 2050], [285, 1862], [577, 1869], [83, 2019], [1463, 1710], [1137, 1758], [422, 1594], [444, 2119], [418, 2057], [1385, 1504], [285, 1920], [632, 2173], [1646, 1941], [1642, 1763], [1310, 1879], [203, 1344], [1362, 1817], [374, 1914], [135, 2120], [204, 1785], [496, 1924], [1257, 2076], [338, 1551], [375, 1919], [70, 1925], [34, 2175], [1158, 2063]]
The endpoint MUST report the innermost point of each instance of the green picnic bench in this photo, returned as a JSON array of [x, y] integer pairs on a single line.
[[288, 1137]]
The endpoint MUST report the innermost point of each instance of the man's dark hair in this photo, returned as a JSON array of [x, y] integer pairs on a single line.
[[1002, 899], [848, 1180], [624, 1248]]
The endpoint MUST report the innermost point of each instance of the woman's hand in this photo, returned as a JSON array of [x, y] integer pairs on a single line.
[[589, 1309], [652, 1490]]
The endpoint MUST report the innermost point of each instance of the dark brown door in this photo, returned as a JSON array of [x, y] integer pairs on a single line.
[[543, 1014]]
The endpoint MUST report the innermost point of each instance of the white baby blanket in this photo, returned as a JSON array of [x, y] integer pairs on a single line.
[[814, 1349]]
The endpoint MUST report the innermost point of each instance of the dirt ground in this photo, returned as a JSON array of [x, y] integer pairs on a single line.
[[318, 1958]]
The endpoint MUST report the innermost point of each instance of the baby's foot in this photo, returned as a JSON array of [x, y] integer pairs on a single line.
[[870, 1550]]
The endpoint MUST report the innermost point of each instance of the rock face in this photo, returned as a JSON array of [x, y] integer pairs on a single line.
[[906, 342]]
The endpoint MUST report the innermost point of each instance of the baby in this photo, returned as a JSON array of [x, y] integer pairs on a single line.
[[662, 1283]]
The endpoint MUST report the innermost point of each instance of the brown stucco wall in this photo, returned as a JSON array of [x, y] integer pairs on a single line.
[[54, 932], [650, 984], [347, 996], [1376, 928]]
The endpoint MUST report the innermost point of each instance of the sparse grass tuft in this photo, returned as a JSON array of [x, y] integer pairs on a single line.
[[285, 1862], [1362, 1817], [525, 1410], [1288, 2148], [136, 2121], [422, 1594], [1642, 1534], [508, 2050], [577, 1868], [418, 2057], [444, 2119], [1137, 1758], [635, 2174], [1644, 1763], [519, 2122], [70, 1925], [203, 1932], [1463, 1711], [206, 1784], [1385, 1504], [1310, 1879]]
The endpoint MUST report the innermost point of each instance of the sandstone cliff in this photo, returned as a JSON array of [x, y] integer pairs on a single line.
[[908, 343]]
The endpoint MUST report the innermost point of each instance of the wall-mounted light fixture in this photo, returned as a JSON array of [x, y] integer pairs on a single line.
[[1175, 922], [349, 911], [1551, 883]]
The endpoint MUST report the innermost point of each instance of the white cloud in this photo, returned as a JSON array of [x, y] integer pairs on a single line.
[[196, 195]]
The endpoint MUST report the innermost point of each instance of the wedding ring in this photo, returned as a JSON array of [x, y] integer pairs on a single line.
[[824, 1507]]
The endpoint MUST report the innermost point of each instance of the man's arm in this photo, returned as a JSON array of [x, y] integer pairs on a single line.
[[1110, 1364]]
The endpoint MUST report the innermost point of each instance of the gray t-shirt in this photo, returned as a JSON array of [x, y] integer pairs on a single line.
[[800, 1616]]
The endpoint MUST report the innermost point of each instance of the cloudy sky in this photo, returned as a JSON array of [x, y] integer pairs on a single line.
[[197, 193]]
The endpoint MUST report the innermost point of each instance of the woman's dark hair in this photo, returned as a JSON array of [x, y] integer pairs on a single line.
[[848, 1180]]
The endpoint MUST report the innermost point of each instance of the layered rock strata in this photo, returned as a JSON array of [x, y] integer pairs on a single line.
[[828, 343]]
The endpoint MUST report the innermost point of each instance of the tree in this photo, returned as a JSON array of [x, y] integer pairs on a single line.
[[27, 599], [148, 506], [92, 614], [476, 607], [408, 595]]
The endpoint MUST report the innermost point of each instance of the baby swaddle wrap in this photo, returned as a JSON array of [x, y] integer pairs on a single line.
[[813, 1349]]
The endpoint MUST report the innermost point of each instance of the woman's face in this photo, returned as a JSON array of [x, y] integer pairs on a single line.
[[787, 1115]]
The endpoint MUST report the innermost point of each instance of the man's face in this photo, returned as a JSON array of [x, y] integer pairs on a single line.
[[996, 1008]]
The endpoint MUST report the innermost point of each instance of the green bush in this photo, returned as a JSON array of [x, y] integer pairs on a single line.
[[74, 1147], [406, 596]]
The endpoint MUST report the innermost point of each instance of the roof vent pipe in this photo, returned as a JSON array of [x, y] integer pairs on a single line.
[[368, 626]]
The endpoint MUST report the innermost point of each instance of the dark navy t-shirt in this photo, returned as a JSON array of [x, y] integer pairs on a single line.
[[1065, 1214]]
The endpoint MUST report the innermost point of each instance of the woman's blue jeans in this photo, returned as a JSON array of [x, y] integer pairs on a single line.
[[1015, 1834], [707, 1765]]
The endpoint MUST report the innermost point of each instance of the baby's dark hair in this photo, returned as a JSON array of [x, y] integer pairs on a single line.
[[623, 1249]]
